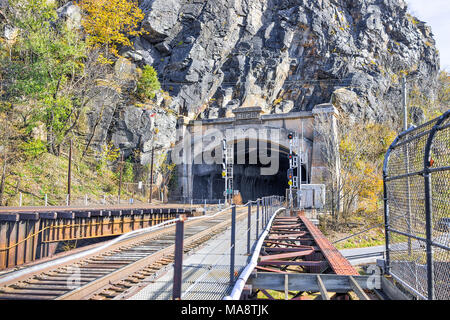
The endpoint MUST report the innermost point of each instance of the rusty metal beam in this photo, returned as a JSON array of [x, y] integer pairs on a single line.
[[287, 255], [307, 282], [336, 260], [33, 234], [292, 263]]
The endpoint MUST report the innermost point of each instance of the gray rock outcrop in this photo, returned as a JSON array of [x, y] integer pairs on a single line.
[[215, 55]]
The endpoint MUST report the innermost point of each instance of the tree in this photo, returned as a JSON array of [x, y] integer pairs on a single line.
[[166, 169], [8, 146], [42, 67], [49, 73], [148, 84], [354, 165], [109, 23]]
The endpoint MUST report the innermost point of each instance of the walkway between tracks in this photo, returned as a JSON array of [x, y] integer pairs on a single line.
[[206, 272]]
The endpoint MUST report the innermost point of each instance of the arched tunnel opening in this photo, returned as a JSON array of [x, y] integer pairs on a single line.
[[247, 173]]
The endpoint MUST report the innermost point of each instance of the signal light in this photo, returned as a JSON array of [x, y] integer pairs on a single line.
[[290, 174], [290, 136], [290, 156]]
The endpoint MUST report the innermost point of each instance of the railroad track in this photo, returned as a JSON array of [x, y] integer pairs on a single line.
[[118, 269]]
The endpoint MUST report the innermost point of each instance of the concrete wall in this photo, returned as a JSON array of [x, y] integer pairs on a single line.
[[242, 126]]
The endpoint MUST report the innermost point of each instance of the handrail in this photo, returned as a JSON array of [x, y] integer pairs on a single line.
[[243, 277]]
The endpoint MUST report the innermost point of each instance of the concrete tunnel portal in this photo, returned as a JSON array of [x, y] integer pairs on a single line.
[[247, 178]]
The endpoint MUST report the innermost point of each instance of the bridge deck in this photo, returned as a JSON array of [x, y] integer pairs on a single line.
[[206, 272]]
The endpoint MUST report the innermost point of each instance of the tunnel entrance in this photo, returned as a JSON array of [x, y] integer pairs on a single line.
[[247, 179]]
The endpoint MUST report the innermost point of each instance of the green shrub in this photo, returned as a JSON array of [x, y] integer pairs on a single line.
[[148, 84], [33, 148], [128, 175]]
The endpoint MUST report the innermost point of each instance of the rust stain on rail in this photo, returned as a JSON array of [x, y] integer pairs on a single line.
[[336, 260]]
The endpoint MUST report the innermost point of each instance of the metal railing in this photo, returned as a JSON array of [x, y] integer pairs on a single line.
[[215, 269], [416, 178], [221, 263]]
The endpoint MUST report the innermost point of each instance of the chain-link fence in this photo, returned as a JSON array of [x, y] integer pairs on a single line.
[[416, 176]]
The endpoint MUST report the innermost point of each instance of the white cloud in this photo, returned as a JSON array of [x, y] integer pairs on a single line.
[[436, 14]]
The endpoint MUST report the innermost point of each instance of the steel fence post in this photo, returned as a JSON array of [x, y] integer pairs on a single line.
[[257, 218], [428, 226], [233, 242], [249, 226], [386, 225], [386, 204], [178, 263], [428, 204], [270, 210], [262, 214], [266, 212]]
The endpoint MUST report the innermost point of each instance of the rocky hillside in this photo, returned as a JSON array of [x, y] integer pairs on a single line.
[[285, 55]]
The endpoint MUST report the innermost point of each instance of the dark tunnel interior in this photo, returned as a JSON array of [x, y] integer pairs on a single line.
[[209, 184]]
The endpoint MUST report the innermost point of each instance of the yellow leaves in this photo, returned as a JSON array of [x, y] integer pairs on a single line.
[[109, 23], [362, 150], [277, 101], [346, 146], [102, 60]]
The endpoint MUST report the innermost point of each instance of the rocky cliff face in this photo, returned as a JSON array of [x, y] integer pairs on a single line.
[[285, 55]]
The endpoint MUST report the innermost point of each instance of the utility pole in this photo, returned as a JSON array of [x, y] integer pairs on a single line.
[[120, 178], [151, 176], [69, 175]]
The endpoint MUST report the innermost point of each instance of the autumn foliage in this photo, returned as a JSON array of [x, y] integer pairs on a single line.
[[109, 23], [362, 150]]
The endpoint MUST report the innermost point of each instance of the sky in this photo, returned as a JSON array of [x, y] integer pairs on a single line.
[[436, 13]]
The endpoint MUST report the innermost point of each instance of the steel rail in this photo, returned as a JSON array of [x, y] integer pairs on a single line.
[[92, 287], [84, 254], [212, 233], [158, 258], [79, 225]]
